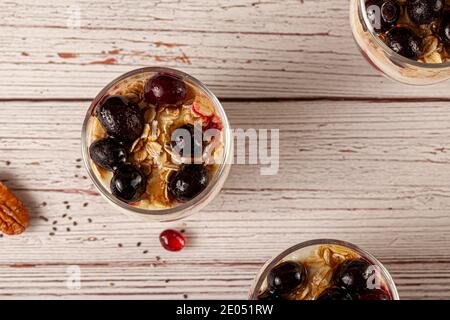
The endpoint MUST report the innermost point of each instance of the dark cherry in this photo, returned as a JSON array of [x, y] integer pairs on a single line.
[[425, 11], [286, 277], [122, 119], [172, 240], [444, 30], [108, 153], [383, 14], [405, 42], [178, 142], [189, 182], [376, 294], [335, 294], [128, 183], [353, 275], [165, 89]]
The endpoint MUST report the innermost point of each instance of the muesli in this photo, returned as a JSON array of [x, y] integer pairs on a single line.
[[415, 29], [324, 272], [155, 141]]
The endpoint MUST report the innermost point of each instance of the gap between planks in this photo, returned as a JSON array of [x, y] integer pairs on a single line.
[[268, 100]]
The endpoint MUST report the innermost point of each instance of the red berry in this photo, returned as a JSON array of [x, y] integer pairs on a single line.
[[172, 240], [165, 89]]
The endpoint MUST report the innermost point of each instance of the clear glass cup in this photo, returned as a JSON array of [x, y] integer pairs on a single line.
[[182, 210], [391, 64], [306, 251]]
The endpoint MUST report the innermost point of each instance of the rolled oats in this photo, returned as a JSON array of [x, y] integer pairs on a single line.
[[152, 152], [320, 265], [430, 45], [154, 149], [434, 57]]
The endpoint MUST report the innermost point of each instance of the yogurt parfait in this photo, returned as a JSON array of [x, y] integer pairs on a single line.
[[407, 40], [156, 142], [324, 270]]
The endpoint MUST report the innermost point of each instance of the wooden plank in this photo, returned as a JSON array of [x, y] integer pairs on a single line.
[[240, 48], [370, 173]]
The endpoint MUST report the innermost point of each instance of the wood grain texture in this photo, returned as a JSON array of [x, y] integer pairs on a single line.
[[240, 48], [374, 174]]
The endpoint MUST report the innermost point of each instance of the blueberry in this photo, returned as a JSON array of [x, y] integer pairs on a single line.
[[165, 89], [108, 153], [334, 294], [120, 118], [353, 275], [405, 42], [444, 30], [390, 13], [189, 182], [383, 14], [128, 183], [179, 144], [376, 294], [425, 11], [286, 277]]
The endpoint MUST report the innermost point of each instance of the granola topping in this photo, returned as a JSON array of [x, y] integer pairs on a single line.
[[328, 269], [152, 153], [416, 29], [416, 42]]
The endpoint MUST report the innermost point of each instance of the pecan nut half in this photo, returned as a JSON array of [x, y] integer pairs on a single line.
[[13, 215]]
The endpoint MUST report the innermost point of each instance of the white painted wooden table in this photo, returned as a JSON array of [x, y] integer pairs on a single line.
[[363, 159]]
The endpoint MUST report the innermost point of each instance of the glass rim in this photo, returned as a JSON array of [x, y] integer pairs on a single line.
[[380, 43], [182, 210], [265, 269]]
